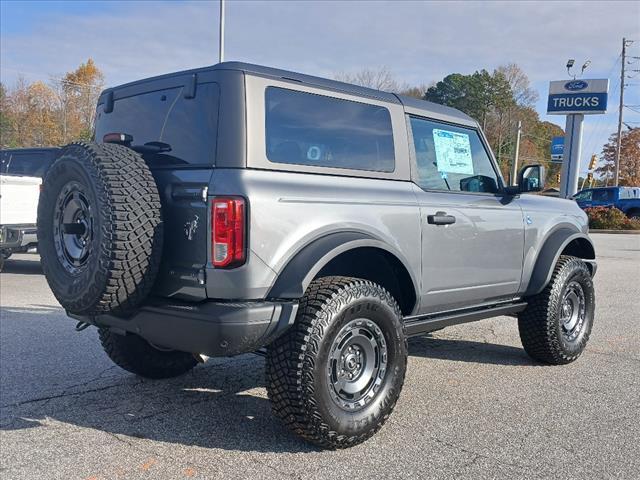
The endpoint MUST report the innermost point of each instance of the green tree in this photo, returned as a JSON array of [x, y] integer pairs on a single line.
[[477, 95]]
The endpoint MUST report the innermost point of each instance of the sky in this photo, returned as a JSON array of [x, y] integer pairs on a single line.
[[419, 42]]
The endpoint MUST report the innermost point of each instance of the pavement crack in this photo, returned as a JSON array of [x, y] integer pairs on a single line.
[[63, 394]]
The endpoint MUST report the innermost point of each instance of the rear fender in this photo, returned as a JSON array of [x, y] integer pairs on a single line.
[[303, 268]]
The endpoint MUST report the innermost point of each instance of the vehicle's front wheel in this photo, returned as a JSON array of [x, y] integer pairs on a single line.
[[555, 326], [134, 354], [335, 376]]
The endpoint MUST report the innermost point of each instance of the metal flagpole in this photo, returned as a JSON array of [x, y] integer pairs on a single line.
[[221, 29]]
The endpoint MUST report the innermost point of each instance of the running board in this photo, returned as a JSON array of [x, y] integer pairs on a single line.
[[419, 324]]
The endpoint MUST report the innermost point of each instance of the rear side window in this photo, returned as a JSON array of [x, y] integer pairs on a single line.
[[187, 125], [29, 164], [625, 193], [451, 158], [309, 129], [602, 195]]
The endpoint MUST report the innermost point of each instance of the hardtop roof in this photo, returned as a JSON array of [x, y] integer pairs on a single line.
[[410, 103]]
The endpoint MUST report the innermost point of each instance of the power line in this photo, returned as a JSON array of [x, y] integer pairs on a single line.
[[596, 132], [625, 44]]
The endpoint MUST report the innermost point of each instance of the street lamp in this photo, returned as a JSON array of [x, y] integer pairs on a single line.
[[571, 62]]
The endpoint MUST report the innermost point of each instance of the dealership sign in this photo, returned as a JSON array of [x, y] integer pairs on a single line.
[[557, 149], [568, 97]]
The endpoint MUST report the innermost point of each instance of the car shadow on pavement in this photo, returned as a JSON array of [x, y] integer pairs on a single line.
[[22, 267], [219, 405], [468, 351]]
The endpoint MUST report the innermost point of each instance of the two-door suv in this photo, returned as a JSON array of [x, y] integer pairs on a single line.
[[235, 207]]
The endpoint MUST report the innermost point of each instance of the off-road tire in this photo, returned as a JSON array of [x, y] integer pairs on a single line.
[[134, 354], [540, 326], [124, 240], [297, 363]]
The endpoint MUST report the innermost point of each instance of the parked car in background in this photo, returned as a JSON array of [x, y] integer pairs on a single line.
[[29, 162], [21, 172], [625, 199]]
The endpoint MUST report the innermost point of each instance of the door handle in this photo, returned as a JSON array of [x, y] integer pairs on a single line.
[[441, 218]]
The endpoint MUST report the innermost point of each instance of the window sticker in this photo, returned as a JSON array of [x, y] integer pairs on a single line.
[[453, 152]]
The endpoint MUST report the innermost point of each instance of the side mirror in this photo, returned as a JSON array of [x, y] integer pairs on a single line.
[[531, 178]]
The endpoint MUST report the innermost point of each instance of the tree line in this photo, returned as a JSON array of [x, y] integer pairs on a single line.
[[63, 109], [40, 114]]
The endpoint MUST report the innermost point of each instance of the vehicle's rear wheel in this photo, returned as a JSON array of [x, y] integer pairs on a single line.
[[134, 354], [99, 229], [555, 326], [335, 376]]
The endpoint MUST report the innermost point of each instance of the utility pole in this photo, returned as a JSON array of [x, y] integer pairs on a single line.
[[221, 30], [514, 164], [619, 140]]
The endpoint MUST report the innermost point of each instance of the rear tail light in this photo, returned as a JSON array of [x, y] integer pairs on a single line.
[[228, 234]]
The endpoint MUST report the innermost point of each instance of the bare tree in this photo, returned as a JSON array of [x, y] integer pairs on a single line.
[[523, 94], [377, 78]]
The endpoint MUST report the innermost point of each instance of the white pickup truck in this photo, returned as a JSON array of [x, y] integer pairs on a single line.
[[18, 214], [20, 178]]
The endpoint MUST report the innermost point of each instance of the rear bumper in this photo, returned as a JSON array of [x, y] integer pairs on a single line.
[[215, 329], [17, 236]]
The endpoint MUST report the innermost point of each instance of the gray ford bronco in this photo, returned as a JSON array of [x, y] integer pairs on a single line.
[[238, 208]]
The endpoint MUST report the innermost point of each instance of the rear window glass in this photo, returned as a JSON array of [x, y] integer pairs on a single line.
[[29, 164], [308, 129], [628, 192], [187, 125]]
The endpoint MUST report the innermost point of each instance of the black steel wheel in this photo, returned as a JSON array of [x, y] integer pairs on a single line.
[[335, 376], [73, 226], [357, 364], [556, 325]]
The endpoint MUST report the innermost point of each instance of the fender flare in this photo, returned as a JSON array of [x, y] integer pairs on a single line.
[[298, 273], [548, 257]]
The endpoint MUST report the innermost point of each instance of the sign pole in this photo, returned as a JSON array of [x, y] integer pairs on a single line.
[[514, 165], [575, 98], [571, 165]]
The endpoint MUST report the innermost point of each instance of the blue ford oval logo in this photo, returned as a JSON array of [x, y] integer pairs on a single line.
[[576, 85]]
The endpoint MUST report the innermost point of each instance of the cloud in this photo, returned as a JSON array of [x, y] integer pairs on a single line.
[[419, 41]]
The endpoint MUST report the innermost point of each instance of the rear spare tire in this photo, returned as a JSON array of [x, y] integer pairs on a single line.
[[99, 229]]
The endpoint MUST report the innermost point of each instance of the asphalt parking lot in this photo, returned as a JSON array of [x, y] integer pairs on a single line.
[[473, 406]]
